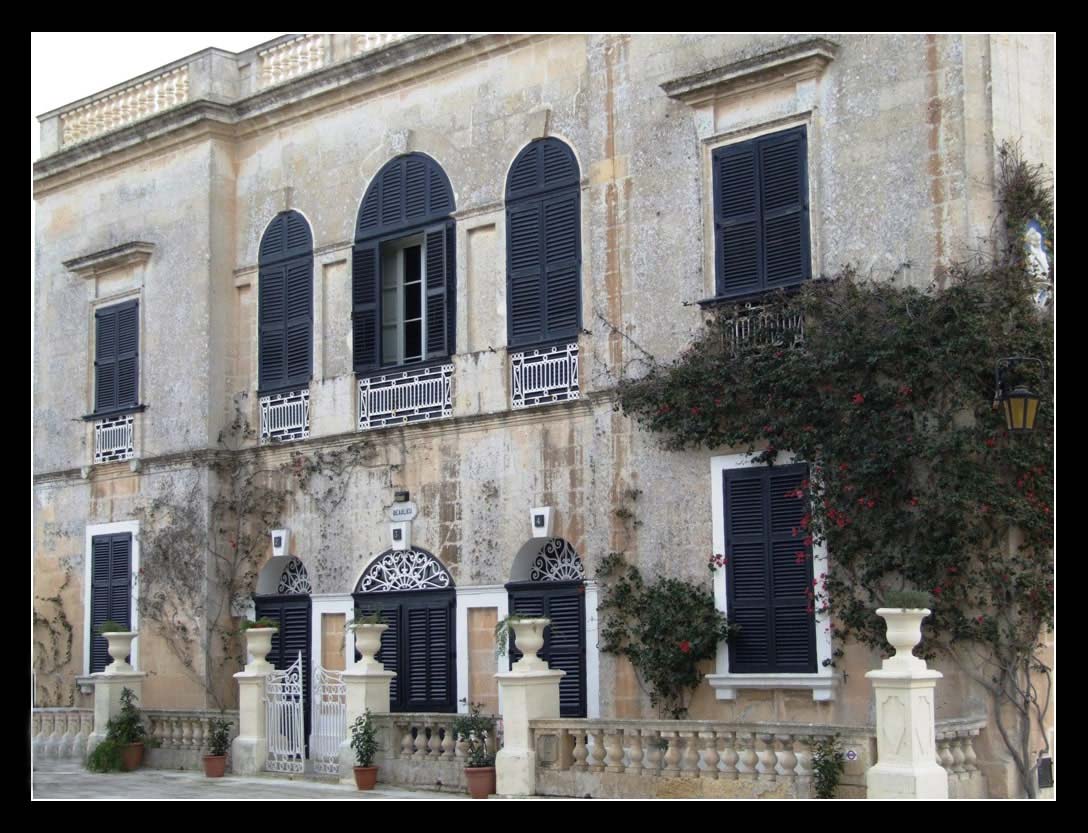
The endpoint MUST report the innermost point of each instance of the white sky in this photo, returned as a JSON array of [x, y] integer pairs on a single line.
[[66, 66]]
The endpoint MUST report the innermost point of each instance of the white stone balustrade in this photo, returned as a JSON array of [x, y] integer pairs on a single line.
[[956, 754], [777, 755], [179, 737], [296, 57], [60, 732], [369, 41], [125, 106]]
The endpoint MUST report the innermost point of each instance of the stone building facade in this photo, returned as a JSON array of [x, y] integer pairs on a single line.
[[161, 190]]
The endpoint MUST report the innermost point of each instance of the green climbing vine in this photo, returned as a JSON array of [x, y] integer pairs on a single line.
[[915, 481]]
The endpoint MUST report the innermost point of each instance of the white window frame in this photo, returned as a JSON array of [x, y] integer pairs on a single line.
[[90, 533], [331, 603], [724, 682], [394, 249]]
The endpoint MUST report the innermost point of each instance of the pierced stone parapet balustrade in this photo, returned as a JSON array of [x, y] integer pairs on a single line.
[[956, 754], [421, 750], [60, 732], [369, 41], [125, 106], [628, 758], [180, 737], [296, 57]]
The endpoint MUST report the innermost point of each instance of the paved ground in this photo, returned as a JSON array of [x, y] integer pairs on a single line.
[[53, 779]]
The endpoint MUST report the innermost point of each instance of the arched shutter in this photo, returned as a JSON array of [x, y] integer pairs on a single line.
[[272, 342], [298, 278], [525, 273], [365, 288], [285, 304], [440, 290]]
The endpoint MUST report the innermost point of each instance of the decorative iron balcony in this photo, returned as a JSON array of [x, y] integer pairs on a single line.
[[113, 438], [762, 325], [285, 416], [400, 397], [544, 375]]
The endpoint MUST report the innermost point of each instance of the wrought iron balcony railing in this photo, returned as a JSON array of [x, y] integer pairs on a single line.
[[285, 416], [544, 375], [762, 325], [113, 438], [401, 397]]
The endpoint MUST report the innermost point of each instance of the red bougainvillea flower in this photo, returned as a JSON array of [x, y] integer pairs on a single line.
[[914, 501], [843, 466], [695, 412], [953, 570], [664, 409], [990, 442], [938, 590], [685, 647], [979, 619], [905, 390], [858, 399]]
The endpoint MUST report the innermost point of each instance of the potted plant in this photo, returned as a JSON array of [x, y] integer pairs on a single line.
[[364, 741], [529, 633], [904, 614], [215, 762], [120, 640], [473, 729], [126, 729], [259, 642]]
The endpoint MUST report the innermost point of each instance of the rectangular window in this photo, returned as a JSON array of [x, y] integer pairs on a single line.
[[116, 357], [769, 570], [404, 313], [761, 223], [111, 590]]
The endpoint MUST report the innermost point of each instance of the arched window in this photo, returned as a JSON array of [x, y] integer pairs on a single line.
[[403, 267], [543, 245], [285, 304]]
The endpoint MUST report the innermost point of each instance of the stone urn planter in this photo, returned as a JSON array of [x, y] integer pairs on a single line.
[[481, 781], [904, 632], [529, 636], [120, 646], [258, 644], [368, 641]]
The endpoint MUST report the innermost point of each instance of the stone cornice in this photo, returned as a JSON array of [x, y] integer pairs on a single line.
[[399, 64], [797, 62], [396, 437], [136, 252]]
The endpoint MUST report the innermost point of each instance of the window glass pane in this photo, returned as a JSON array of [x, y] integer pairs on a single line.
[[390, 354], [389, 306], [413, 340], [413, 301], [413, 264]]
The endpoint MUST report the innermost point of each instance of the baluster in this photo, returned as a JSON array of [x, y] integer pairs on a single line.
[[613, 746], [434, 742], [634, 750], [460, 747], [747, 759], [709, 746], [651, 765], [36, 732], [672, 755], [186, 733], [804, 764], [596, 760], [766, 758], [420, 744], [944, 754], [176, 731], [581, 752], [86, 723], [956, 745], [787, 758], [970, 761], [199, 733], [55, 734], [729, 756], [71, 731], [689, 760], [447, 743]]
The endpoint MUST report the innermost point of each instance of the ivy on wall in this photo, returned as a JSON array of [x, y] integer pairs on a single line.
[[915, 481]]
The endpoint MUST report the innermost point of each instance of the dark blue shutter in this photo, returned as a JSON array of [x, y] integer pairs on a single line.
[[111, 591], [116, 357], [365, 289], [761, 214], [564, 639], [285, 304], [767, 584], [544, 254], [440, 290], [292, 613]]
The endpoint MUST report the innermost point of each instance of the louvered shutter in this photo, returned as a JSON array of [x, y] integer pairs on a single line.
[[298, 277], [365, 289], [292, 613], [272, 342], [736, 218], [785, 209], [564, 639], [525, 272], [128, 337], [111, 591], [392, 202], [562, 258], [116, 357], [440, 290], [766, 581], [428, 654]]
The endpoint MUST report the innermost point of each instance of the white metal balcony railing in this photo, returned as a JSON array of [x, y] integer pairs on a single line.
[[113, 439], [407, 396], [285, 416], [758, 325], [543, 376]]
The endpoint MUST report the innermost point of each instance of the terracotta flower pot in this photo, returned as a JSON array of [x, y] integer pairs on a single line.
[[215, 766], [366, 777], [481, 781], [132, 755]]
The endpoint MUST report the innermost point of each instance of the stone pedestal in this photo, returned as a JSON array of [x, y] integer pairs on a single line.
[[366, 685], [905, 730], [249, 750], [528, 691], [107, 699]]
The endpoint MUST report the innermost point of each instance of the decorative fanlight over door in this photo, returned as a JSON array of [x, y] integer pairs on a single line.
[[294, 579], [413, 569]]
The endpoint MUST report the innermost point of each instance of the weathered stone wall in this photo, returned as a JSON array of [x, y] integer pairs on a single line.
[[901, 137]]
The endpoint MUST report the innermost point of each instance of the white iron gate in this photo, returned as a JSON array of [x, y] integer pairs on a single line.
[[328, 720], [283, 711]]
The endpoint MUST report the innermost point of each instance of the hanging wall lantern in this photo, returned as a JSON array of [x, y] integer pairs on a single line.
[[1021, 404]]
